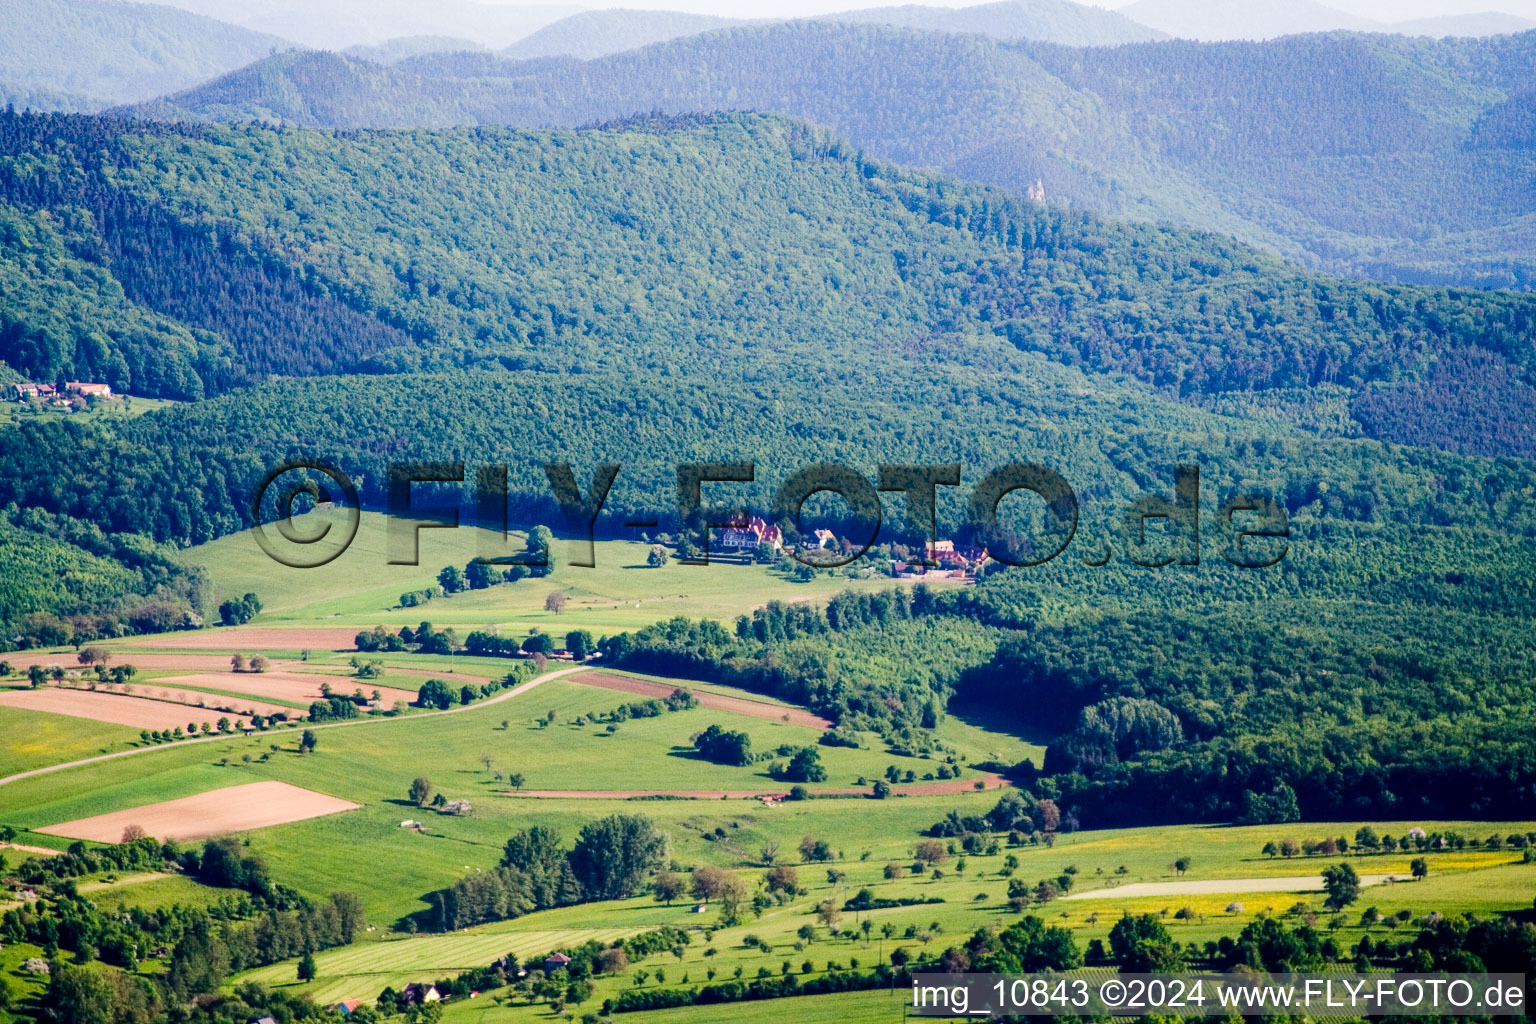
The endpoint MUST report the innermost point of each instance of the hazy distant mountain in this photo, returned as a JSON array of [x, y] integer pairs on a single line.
[[86, 54], [598, 33], [337, 24], [1247, 19], [1052, 21], [1398, 164], [1267, 19], [23, 97], [1487, 23], [392, 50]]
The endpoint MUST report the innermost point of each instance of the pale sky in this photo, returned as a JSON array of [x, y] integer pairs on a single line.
[[1380, 10]]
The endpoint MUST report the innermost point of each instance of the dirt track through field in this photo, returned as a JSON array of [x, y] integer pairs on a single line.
[[299, 687], [134, 712], [232, 809], [948, 786], [36, 851], [717, 701], [1216, 886]]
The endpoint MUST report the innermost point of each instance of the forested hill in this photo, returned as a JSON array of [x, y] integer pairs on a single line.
[[182, 262], [1402, 163], [599, 33], [1052, 21], [89, 54]]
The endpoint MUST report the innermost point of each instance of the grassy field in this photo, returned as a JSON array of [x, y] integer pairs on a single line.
[[362, 971], [12, 413], [32, 739], [973, 894], [394, 869], [619, 593], [146, 892], [21, 985]]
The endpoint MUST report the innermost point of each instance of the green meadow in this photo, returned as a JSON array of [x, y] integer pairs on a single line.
[[126, 407], [972, 891], [32, 739], [471, 754], [620, 593]]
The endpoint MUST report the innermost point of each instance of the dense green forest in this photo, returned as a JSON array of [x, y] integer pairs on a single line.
[[1405, 162], [742, 287], [64, 571], [764, 246], [1259, 707]]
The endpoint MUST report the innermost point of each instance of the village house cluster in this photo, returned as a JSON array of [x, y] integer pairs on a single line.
[[51, 394], [948, 560]]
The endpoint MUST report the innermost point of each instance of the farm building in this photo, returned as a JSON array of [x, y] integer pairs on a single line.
[[555, 962], [416, 992], [748, 537]]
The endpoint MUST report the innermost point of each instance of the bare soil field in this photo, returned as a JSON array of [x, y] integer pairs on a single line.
[[1217, 886], [135, 712], [738, 705], [251, 638], [232, 809], [164, 689], [293, 686], [912, 789]]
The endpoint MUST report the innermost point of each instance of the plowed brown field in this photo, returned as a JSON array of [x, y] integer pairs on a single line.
[[135, 712], [233, 809]]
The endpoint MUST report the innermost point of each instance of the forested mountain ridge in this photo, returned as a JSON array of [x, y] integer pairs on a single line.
[[591, 34], [1267, 19], [742, 286], [1050, 21], [89, 54], [766, 248], [599, 33], [1402, 163]]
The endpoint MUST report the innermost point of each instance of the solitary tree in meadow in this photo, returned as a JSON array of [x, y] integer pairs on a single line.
[[516, 780], [555, 602], [421, 790], [307, 967]]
